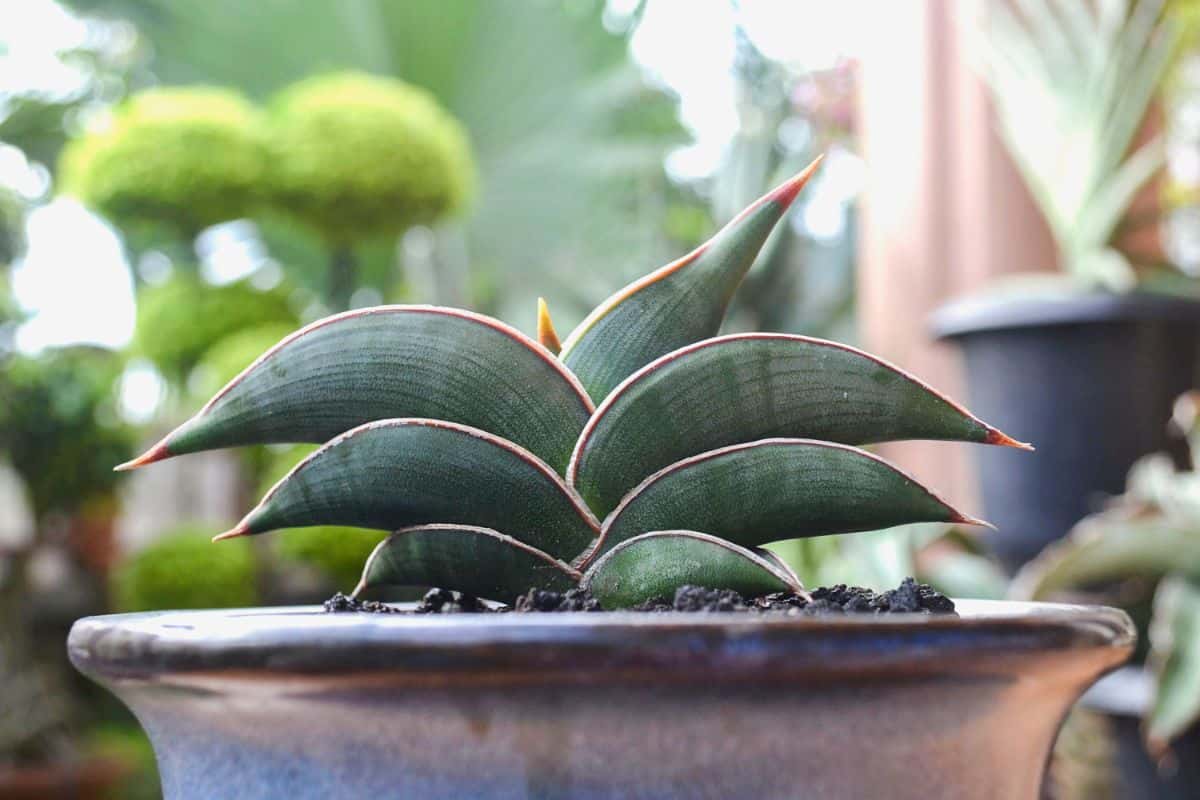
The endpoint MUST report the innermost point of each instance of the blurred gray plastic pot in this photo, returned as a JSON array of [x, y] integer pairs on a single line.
[[297, 703]]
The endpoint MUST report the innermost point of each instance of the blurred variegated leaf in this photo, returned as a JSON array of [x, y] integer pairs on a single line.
[[1175, 660], [1100, 550]]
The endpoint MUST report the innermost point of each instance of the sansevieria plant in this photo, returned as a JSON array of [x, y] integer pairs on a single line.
[[645, 453]]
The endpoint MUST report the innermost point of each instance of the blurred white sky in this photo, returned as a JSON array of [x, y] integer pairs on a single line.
[[74, 279]]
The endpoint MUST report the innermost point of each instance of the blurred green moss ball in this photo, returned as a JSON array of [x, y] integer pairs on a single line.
[[179, 321], [188, 157], [185, 569], [357, 156]]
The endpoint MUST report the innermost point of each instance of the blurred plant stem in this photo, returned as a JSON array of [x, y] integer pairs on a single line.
[[343, 276]]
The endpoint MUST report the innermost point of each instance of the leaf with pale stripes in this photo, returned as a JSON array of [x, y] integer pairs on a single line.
[[745, 387], [388, 362], [464, 558], [393, 474], [773, 489], [679, 304], [653, 565]]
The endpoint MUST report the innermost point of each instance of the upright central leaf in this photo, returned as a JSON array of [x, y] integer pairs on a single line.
[[678, 304]]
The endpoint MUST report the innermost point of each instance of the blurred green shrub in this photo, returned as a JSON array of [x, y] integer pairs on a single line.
[[181, 320], [185, 569], [188, 157], [231, 354], [337, 553], [12, 227], [356, 156], [59, 425]]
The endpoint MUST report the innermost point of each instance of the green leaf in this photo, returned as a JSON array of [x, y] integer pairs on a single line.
[[388, 362], [745, 387], [478, 561], [775, 489], [398, 473], [1101, 550], [655, 564], [676, 305], [1175, 659]]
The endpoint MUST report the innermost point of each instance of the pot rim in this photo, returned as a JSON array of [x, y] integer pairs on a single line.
[[991, 312], [580, 647]]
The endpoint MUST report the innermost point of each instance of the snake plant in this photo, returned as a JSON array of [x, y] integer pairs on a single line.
[[646, 453]]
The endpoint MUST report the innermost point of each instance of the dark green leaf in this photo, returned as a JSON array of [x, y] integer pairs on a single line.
[[388, 362], [775, 489], [655, 564], [398, 473], [464, 558], [745, 387], [676, 305]]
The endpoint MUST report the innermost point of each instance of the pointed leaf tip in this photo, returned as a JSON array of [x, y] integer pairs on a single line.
[[157, 453], [678, 304], [546, 335], [966, 519], [1002, 439], [786, 192], [241, 529]]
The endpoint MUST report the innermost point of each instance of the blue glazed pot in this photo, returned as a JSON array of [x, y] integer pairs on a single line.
[[295, 703]]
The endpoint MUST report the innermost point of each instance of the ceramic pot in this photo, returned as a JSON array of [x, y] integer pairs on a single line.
[[296, 703], [1090, 379]]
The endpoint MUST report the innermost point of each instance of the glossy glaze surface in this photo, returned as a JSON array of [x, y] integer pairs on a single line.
[[295, 703]]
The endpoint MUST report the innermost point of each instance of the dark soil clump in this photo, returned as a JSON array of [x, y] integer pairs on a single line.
[[344, 603], [697, 598], [444, 601], [545, 600], [909, 597]]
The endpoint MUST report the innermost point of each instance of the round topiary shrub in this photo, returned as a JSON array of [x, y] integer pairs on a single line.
[[181, 320], [357, 156], [186, 570], [188, 157]]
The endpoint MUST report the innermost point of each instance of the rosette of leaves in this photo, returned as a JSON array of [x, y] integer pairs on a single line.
[[1150, 534], [645, 453], [1072, 83], [185, 157]]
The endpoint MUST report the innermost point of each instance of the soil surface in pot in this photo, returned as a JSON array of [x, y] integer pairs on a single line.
[[909, 597]]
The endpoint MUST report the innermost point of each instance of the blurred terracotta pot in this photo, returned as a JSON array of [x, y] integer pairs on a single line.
[[297, 703], [92, 779]]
